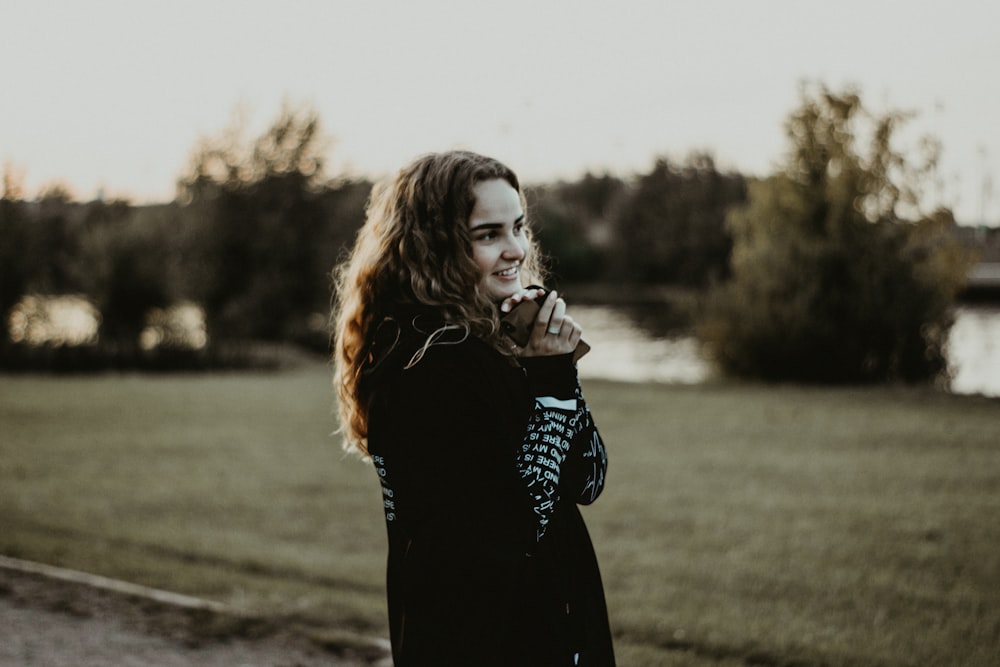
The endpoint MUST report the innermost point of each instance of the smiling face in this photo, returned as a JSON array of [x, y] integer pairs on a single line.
[[499, 238]]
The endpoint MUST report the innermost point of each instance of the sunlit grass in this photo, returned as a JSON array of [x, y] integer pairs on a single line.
[[741, 524]]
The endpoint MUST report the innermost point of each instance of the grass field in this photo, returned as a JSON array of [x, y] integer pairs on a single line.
[[741, 524]]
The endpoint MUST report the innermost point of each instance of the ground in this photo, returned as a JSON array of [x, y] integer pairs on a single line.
[[52, 620]]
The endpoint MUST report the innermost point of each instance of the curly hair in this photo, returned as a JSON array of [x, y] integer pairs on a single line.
[[414, 250]]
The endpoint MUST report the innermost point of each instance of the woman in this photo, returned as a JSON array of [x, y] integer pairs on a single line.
[[483, 448]]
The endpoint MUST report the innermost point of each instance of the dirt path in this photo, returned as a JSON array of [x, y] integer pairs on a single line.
[[55, 617]]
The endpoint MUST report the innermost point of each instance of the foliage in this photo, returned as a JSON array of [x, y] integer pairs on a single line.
[[14, 261], [128, 258], [572, 222], [251, 239], [54, 249], [672, 228], [257, 212], [830, 281], [663, 227], [41, 251], [97, 250]]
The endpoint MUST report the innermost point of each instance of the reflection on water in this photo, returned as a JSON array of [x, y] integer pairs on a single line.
[[181, 326], [71, 320], [626, 348], [54, 320], [974, 351], [630, 343]]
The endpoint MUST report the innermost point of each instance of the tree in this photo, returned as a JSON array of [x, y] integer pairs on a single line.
[[53, 247], [14, 261], [257, 213], [831, 281], [129, 255], [13, 269], [672, 229], [572, 222]]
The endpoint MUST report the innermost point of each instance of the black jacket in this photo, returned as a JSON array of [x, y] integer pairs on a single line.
[[482, 463]]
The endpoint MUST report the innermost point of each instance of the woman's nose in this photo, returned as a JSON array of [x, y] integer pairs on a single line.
[[513, 249]]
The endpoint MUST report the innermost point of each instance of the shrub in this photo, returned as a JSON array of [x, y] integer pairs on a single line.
[[830, 282]]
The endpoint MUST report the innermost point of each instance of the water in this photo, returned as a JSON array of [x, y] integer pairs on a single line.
[[627, 347], [974, 351], [630, 344]]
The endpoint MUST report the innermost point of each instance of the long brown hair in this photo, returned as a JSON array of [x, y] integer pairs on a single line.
[[414, 250]]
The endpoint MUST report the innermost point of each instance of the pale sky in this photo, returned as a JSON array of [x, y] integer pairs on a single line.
[[113, 95]]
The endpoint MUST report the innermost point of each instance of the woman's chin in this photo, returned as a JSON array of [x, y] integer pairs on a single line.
[[499, 291]]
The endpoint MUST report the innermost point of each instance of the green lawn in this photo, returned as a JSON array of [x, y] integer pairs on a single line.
[[741, 524]]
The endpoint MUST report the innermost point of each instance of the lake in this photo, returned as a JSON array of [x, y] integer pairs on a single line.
[[630, 343], [625, 348]]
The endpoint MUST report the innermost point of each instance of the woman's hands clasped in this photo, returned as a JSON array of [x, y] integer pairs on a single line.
[[554, 332]]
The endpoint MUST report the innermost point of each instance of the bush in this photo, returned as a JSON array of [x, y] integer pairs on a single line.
[[830, 282]]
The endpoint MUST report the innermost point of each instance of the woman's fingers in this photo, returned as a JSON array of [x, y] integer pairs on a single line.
[[545, 314], [574, 331], [557, 319], [554, 331], [527, 295]]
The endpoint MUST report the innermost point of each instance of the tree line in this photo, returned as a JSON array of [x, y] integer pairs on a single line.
[[813, 258]]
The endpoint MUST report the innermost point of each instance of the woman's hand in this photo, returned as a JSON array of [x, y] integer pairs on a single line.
[[527, 295], [554, 332]]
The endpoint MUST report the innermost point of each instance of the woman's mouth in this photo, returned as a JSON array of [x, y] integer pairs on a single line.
[[508, 273]]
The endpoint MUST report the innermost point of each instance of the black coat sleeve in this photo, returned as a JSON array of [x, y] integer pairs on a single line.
[[562, 457]]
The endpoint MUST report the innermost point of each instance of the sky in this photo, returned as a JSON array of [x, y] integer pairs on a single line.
[[112, 96]]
